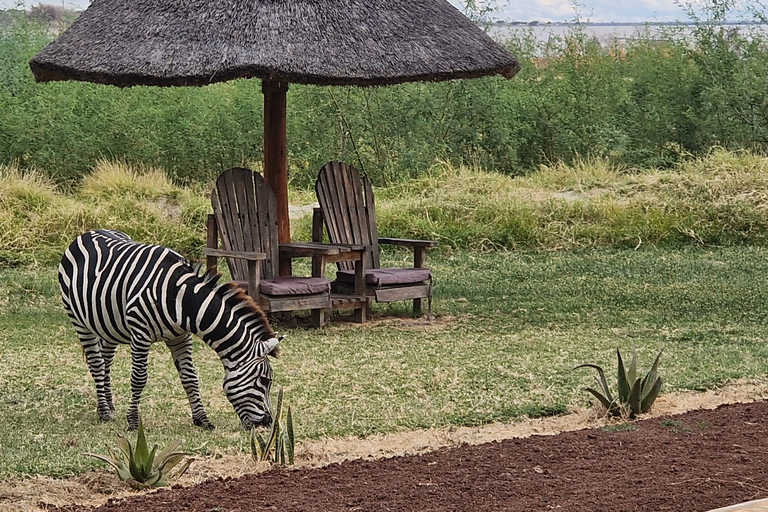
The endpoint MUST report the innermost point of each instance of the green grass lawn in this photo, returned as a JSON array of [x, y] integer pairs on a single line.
[[509, 328]]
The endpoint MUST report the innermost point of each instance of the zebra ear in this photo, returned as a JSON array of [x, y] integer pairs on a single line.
[[271, 346]]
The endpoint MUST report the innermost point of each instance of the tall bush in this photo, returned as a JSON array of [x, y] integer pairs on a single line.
[[645, 102]]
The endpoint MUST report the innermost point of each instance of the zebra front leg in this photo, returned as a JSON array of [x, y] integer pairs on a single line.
[[92, 348], [181, 350], [139, 360]]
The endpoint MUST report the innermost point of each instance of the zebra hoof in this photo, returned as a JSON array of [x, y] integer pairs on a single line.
[[204, 424], [105, 416]]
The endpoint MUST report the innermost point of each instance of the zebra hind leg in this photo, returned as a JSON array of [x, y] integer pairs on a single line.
[[108, 353], [181, 350], [99, 372]]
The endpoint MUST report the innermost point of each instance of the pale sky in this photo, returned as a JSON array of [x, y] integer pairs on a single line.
[[517, 10], [592, 10]]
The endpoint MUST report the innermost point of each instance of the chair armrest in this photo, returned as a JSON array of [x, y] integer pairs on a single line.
[[254, 277], [409, 243], [308, 249], [419, 248], [243, 255]]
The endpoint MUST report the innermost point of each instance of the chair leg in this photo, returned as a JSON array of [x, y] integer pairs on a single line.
[[360, 314], [417, 307], [319, 317]]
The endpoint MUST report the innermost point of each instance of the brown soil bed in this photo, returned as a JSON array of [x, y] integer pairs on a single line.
[[696, 461]]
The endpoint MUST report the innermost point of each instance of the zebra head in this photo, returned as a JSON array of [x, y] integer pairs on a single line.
[[247, 385]]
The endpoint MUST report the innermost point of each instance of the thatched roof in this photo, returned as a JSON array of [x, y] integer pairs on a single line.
[[323, 42]]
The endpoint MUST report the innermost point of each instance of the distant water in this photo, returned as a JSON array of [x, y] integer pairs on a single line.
[[607, 33]]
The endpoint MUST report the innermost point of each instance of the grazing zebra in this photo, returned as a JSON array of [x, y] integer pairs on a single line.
[[118, 291]]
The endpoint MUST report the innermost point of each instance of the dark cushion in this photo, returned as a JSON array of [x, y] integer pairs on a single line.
[[394, 276], [294, 285]]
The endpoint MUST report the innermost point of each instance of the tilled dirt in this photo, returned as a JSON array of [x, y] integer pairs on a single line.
[[696, 461]]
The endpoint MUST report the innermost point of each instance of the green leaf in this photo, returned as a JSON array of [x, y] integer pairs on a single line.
[[632, 374], [122, 470], [125, 447], [165, 452], [272, 439], [280, 449], [170, 461], [279, 408], [135, 470], [121, 458], [289, 437], [623, 380], [255, 447], [603, 382], [261, 447], [650, 379], [153, 478], [608, 404], [633, 400], [148, 464], [142, 449], [648, 400], [112, 462]]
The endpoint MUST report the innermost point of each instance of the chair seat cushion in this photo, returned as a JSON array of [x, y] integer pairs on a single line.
[[294, 285], [378, 277]]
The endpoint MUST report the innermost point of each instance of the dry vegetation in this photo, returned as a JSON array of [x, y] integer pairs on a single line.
[[715, 200]]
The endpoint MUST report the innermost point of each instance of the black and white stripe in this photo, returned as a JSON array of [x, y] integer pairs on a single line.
[[117, 291]]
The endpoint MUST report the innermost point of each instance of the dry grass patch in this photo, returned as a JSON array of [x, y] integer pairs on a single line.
[[716, 199]]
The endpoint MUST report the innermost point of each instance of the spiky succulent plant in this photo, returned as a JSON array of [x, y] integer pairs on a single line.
[[141, 467], [278, 446], [635, 394]]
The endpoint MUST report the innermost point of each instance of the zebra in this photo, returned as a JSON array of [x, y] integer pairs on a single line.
[[118, 291]]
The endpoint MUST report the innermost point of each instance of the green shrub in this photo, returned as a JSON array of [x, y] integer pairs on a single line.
[[141, 467], [647, 102], [635, 394]]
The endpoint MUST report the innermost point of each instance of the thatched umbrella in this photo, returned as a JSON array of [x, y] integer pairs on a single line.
[[321, 42]]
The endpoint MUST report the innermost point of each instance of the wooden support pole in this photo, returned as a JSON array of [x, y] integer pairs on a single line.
[[276, 157], [212, 262]]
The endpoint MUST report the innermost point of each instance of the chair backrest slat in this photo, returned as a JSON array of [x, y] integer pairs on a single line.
[[373, 231], [246, 213], [346, 201]]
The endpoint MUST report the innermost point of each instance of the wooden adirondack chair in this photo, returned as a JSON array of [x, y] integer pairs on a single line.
[[347, 211], [245, 222]]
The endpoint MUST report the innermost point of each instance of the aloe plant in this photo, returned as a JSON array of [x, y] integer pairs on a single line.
[[141, 467], [635, 395], [278, 445]]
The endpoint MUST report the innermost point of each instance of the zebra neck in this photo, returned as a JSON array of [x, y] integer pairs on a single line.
[[224, 318]]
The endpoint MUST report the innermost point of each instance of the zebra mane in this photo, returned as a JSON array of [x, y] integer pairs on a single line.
[[234, 294]]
